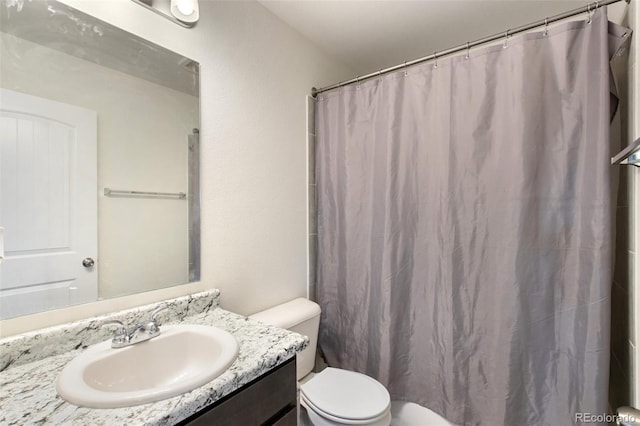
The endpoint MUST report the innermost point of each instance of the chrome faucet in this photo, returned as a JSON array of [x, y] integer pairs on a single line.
[[138, 333]]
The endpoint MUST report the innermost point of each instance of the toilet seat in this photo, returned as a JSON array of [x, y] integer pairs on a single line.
[[346, 397], [327, 419]]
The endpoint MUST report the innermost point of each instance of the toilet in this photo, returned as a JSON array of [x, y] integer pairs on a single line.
[[335, 397]]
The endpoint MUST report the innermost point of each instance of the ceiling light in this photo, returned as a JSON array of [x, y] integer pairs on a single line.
[[185, 10]]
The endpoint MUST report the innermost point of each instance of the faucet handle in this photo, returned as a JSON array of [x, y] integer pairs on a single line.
[[121, 336], [152, 327], [154, 315]]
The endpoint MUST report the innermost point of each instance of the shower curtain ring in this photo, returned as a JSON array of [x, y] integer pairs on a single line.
[[588, 13], [380, 73], [357, 82], [435, 56], [406, 73], [546, 27], [467, 55], [506, 38]]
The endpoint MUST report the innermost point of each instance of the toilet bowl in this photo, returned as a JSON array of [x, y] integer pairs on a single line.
[[411, 414], [336, 397]]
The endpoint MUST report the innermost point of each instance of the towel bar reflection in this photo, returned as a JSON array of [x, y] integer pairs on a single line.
[[628, 156], [143, 194]]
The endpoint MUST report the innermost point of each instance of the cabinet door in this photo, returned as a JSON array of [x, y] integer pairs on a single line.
[[268, 400], [289, 419]]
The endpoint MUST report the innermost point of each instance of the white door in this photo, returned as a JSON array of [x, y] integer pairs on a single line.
[[48, 204]]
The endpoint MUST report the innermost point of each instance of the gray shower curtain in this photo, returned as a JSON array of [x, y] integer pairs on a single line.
[[464, 254]]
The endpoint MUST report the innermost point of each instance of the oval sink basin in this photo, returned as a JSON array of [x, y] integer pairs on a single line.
[[180, 359]]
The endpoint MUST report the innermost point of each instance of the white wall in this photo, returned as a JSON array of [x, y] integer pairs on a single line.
[[255, 73], [624, 382], [634, 195]]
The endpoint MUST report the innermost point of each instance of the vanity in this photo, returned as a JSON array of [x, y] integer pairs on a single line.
[[268, 400], [259, 387]]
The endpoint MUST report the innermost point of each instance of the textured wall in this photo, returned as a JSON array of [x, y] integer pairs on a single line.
[[634, 204], [624, 386]]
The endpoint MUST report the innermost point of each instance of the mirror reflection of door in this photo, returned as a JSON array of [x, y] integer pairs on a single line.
[[48, 204]]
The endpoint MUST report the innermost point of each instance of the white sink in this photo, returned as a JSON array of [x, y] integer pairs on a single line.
[[181, 358]]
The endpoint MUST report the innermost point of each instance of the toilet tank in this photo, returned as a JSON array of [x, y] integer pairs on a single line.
[[301, 316]]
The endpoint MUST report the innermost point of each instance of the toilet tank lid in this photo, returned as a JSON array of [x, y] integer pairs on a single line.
[[289, 314]]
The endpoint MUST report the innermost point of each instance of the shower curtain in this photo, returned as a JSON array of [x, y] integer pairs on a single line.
[[464, 232]]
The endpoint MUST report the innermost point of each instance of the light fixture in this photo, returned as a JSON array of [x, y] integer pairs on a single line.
[[183, 12], [184, 7]]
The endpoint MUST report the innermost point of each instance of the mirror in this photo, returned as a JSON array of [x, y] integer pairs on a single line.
[[99, 161]]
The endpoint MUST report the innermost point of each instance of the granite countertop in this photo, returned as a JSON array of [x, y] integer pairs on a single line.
[[28, 390]]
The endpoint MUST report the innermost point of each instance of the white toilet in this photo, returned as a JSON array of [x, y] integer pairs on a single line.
[[334, 396]]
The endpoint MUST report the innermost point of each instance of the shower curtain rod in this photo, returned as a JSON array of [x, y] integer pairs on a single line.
[[505, 35]]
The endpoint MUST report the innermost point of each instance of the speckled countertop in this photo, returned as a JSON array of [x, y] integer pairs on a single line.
[[28, 388]]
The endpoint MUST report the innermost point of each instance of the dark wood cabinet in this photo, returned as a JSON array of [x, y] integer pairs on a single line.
[[268, 400], [289, 419]]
